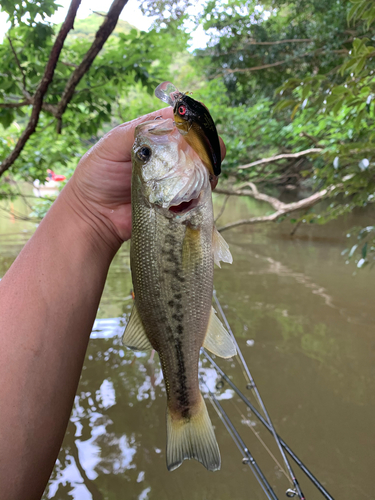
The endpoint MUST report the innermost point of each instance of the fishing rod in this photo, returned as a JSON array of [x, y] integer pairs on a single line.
[[296, 459], [253, 386], [247, 456]]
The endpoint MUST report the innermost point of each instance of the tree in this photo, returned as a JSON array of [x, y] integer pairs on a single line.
[[67, 88], [294, 90]]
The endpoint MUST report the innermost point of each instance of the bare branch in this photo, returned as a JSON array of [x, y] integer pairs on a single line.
[[285, 208], [71, 65], [43, 86], [278, 42], [280, 157], [14, 104], [101, 37], [279, 63], [253, 193], [255, 68]]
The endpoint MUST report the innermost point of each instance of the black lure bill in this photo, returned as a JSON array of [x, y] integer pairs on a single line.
[[195, 123]]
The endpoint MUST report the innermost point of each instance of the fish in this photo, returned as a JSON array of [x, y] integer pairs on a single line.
[[174, 246], [195, 123]]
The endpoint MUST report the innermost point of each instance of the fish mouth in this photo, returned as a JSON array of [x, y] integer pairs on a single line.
[[184, 207]]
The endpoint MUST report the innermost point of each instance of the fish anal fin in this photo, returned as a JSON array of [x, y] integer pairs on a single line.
[[192, 437], [135, 336], [218, 341], [220, 249]]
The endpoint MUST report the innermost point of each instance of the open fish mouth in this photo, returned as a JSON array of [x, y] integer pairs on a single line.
[[184, 207]]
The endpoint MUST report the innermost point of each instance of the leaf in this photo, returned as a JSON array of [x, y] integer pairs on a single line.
[[352, 250], [363, 164], [285, 103], [295, 109], [364, 250]]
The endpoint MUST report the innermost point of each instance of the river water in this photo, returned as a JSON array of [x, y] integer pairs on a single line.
[[305, 323]]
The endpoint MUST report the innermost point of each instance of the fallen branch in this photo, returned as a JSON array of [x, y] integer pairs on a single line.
[[280, 207], [253, 193], [280, 157], [43, 86]]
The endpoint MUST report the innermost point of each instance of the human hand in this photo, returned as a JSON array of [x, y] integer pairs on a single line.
[[100, 189]]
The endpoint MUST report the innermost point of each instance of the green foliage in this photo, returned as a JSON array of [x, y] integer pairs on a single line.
[[86, 28], [129, 60], [349, 160], [278, 77], [284, 38]]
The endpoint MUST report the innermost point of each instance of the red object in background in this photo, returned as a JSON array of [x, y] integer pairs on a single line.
[[51, 176]]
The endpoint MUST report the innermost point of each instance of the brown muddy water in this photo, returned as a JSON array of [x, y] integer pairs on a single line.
[[305, 322]]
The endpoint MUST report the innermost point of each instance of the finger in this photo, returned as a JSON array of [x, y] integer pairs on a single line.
[[116, 145]]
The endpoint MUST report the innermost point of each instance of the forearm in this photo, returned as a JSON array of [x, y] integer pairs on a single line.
[[48, 302]]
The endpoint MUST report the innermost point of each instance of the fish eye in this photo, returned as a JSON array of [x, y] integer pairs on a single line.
[[144, 153], [182, 110]]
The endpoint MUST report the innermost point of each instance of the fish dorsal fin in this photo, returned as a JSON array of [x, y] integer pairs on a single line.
[[220, 248], [135, 336], [218, 340]]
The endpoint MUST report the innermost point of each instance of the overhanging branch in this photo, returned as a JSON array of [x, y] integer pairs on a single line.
[[58, 110], [280, 207], [280, 157], [101, 36], [43, 86]]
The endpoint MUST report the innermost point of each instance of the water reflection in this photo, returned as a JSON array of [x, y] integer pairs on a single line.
[[305, 324]]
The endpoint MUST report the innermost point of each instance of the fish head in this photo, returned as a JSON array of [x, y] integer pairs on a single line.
[[172, 175]]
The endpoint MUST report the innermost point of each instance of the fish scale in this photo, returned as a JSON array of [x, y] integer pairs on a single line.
[[164, 288]]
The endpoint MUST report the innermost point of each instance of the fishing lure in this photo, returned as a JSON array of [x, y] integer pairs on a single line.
[[194, 122]]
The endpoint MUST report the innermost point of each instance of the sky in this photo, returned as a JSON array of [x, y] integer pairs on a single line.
[[130, 13]]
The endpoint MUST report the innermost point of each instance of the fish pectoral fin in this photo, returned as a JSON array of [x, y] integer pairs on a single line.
[[192, 437], [220, 248], [218, 341], [135, 336]]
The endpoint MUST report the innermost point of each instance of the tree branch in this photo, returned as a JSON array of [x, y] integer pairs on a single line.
[[283, 208], [43, 86], [278, 63], [58, 110], [280, 157], [101, 36], [14, 104], [278, 42]]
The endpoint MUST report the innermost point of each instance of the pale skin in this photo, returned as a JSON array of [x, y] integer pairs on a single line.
[[48, 302]]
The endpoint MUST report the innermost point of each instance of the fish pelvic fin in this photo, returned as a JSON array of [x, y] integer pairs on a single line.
[[218, 341], [135, 336], [192, 437], [220, 248]]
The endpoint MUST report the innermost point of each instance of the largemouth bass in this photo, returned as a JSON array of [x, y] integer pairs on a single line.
[[173, 248]]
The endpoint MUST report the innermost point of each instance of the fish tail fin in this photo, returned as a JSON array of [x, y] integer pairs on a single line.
[[192, 437]]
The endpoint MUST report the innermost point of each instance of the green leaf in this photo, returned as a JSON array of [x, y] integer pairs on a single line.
[[364, 250]]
